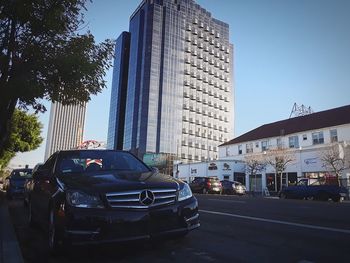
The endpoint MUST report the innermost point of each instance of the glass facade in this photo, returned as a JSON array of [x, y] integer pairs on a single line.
[[180, 92], [118, 94]]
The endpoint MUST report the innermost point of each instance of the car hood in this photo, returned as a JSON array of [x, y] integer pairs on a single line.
[[113, 181], [18, 181]]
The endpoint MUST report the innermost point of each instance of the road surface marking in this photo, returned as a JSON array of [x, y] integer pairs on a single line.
[[345, 231], [230, 201]]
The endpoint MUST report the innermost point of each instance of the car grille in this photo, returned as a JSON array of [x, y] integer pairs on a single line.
[[131, 199]]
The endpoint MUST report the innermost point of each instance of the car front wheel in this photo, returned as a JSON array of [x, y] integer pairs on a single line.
[[283, 196], [55, 247], [337, 199], [30, 215]]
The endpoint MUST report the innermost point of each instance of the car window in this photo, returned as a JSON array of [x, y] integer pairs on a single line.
[[21, 174], [321, 181], [302, 182], [97, 160], [48, 165]]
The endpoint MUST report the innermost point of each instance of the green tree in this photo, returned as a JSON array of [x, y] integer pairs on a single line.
[[24, 136], [43, 55]]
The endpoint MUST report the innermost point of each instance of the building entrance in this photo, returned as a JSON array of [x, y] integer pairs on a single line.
[[255, 183]]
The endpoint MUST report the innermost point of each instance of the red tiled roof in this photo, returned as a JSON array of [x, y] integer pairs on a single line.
[[314, 121]]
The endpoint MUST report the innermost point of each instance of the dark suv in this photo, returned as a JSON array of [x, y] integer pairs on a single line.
[[103, 196], [206, 185], [15, 182]]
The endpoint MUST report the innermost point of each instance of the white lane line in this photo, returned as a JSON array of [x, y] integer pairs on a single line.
[[345, 231], [230, 201]]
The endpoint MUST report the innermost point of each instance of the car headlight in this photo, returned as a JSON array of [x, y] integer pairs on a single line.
[[185, 193], [82, 200]]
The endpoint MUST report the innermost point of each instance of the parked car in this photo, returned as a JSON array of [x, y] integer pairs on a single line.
[[206, 185], [233, 187], [28, 184], [322, 189], [14, 185], [119, 199]]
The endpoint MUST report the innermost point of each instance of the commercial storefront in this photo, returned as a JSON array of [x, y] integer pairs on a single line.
[[303, 143]]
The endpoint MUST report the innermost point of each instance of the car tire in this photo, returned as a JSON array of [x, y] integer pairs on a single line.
[[322, 196], [204, 191], [54, 245], [30, 216], [337, 199]]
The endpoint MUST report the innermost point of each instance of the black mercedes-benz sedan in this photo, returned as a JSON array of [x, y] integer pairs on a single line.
[[104, 196]]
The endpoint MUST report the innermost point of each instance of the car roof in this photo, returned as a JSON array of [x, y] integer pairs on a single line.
[[91, 150], [22, 170]]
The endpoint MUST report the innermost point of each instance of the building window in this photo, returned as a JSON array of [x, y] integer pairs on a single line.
[[249, 147], [317, 138], [279, 143], [256, 144], [293, 142], [264, 146], [334, 135], [240, 149], [304, 137]]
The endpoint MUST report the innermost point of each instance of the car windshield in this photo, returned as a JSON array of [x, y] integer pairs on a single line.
[[21, 174], [98, 160]]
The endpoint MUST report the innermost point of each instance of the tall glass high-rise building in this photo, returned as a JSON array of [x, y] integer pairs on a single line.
[[179, 94], [119, 91]]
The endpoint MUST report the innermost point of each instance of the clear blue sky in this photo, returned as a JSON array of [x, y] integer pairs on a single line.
[[286, 51]]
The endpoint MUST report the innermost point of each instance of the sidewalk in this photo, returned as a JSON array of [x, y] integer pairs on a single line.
[[10, 251]]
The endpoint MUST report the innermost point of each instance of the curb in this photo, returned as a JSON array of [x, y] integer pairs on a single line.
[[10, 251]]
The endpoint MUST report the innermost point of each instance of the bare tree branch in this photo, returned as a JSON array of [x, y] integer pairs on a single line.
[[336, 159], [279, 159]]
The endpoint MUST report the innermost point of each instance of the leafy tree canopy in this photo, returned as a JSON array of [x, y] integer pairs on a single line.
[[24, 136], [43, 55]]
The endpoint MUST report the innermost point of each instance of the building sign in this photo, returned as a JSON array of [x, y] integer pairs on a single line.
[[212, 166], [310, 161], [193, 171], [226, 167]]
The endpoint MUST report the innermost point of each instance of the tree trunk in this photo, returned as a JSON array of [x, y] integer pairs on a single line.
[[7, 108]]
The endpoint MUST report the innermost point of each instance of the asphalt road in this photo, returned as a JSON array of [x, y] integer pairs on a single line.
[[233, 229]]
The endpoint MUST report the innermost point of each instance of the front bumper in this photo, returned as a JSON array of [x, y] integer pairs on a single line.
[[98, 226], [240, 191], [215, 190], [16, 191]]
